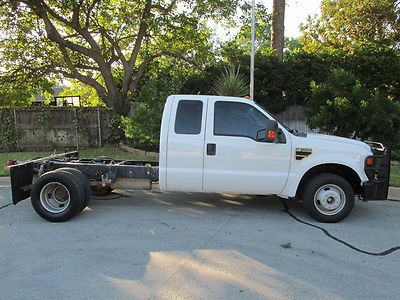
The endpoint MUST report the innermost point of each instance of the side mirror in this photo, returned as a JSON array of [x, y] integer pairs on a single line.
[[270, 132]]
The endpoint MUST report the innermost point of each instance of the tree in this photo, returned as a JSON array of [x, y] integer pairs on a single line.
[[278, 28], [240, 44], [348, 24], [88, 95], [105, 44], [343, 106], [163, 78], [203, 82], [361, 37], [21, 93], [292, 44], [13, 95]]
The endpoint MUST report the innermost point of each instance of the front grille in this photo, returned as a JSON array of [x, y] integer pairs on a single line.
[[379, 173]]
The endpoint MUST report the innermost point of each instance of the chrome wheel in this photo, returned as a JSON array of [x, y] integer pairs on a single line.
[[55, 197], [329, 199]]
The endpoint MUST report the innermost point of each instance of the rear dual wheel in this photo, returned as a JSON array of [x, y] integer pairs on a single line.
[[59, 195], [83, 180]]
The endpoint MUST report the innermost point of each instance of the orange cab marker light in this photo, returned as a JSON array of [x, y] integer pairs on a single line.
[[271, 134]]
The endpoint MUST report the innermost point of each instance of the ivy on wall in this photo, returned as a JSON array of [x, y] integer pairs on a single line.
[[49, 134], [44, 118], [9, 132]]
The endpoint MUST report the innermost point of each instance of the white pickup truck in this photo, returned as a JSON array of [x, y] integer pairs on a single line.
[[220, 145]]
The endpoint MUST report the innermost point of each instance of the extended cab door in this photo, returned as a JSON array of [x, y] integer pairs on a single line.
[[234, 160], [185, 145]]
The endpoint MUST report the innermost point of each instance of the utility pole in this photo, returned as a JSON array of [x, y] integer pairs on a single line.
[[253, 17], [253, 33], [278, 28]]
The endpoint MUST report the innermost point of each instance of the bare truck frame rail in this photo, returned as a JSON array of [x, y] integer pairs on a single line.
[[102, 172]]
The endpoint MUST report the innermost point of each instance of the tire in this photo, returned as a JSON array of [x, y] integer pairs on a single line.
[[101, 190], [57, 207], [85, 182], [328, 198]]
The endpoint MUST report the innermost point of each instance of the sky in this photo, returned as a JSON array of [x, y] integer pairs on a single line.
[[296, 12]]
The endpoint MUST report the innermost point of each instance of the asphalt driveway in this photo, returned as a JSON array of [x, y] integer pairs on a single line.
[[142, 245]]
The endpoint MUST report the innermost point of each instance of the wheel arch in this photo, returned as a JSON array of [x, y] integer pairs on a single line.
[[344, 171]]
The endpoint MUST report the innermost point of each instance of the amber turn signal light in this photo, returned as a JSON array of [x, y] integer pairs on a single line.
[[369, 162]]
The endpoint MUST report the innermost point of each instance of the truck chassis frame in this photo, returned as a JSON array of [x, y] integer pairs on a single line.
[[101, 172]]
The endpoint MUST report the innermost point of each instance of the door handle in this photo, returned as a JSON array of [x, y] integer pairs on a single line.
[[211, 149]]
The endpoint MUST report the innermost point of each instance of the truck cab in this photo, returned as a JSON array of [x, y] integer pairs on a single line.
[[229, 144]]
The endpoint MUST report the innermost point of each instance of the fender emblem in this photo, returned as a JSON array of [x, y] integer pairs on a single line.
[[302, 153]]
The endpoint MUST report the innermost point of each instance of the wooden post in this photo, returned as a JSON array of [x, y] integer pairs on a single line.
[[76, 129], [16, 127], [99, 125]]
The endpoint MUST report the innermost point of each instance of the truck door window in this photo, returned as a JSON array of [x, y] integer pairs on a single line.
[[237, 119], [188, 117]]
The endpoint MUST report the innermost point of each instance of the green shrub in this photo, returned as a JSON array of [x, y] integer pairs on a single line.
[[142, 128], [343, 106], [396, 154]]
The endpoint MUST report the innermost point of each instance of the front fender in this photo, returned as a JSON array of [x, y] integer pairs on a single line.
[[299, 168]]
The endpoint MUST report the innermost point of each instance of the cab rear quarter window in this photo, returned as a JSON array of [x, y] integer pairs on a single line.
[[189, 114]]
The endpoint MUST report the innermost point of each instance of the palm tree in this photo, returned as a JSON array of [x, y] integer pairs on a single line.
[[231, 83]]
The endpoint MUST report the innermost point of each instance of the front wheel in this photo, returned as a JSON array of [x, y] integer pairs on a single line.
[[328, 198]]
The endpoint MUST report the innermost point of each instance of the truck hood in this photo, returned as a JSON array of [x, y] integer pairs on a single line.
[[314, 137]]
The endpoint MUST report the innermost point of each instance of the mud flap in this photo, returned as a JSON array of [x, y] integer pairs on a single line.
[[21, 181]]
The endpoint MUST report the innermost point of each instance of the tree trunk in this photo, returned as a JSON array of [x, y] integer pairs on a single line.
[[118, 103], [278, 28]]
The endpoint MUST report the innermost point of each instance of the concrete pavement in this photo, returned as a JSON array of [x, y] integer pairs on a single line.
[[394, 193], [154, 245]]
